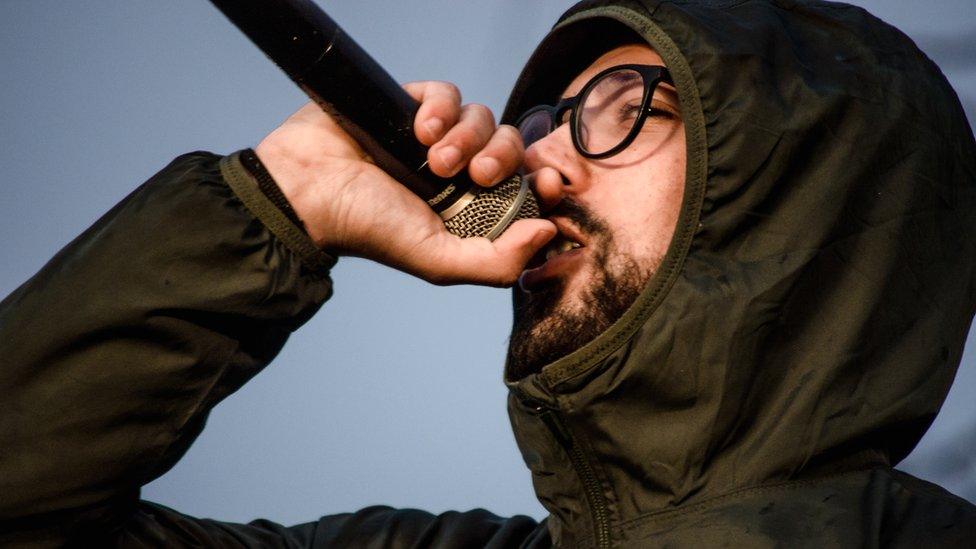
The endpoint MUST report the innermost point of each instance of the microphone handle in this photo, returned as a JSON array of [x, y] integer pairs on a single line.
[[350, 86]]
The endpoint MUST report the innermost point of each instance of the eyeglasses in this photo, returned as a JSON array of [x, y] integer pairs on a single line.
[[606, 116]]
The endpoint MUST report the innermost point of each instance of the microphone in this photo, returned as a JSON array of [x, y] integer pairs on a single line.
[[369, 105]]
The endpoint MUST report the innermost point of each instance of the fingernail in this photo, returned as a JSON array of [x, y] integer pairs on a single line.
[[489, 167], [434, 127], [450, 156]]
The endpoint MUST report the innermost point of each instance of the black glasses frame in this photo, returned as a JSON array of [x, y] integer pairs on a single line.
[[652, 75]]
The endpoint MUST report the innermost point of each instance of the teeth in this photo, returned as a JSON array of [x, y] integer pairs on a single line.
[[562, 246]]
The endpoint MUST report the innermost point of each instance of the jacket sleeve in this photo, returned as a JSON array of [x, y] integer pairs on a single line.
[[113, 354], [373, 527]]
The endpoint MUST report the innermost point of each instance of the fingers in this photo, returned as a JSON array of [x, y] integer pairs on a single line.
[[440, 109], [460, 136], [472, 132], [481, 261], [490, 153], [499, 158]]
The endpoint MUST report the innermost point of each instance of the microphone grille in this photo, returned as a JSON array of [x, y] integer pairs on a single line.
[[492, 210]]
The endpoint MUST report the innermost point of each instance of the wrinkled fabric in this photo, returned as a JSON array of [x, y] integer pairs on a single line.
[[810, 314], [798, 339], [115, 352]]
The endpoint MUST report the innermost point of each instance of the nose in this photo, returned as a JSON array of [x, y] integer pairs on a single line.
[[552, 165]]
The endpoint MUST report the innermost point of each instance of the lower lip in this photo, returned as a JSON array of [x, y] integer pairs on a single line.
[[533, 279]]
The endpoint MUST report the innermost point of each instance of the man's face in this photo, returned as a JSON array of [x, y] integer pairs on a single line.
[[622, 210]]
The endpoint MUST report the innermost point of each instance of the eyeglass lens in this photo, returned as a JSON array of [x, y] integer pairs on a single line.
[[609, 110], [606, 113], [535, 126]]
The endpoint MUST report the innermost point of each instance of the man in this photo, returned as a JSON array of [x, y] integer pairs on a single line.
[[746, 303]]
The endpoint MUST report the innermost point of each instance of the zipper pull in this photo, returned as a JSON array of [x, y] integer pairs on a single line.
[[552, 420]]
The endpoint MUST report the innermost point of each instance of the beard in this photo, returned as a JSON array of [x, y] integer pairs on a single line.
[[548, 326]]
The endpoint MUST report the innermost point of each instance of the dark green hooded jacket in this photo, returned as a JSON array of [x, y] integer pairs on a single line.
[[798, 339], [810, 314]]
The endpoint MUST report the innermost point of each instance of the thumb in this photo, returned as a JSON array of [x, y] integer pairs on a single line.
[[522, 239], [514, 248]]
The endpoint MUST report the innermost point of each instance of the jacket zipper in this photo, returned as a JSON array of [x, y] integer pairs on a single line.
[[591, 484]]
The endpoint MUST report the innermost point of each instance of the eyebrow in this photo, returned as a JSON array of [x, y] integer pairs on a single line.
[[625, 76]]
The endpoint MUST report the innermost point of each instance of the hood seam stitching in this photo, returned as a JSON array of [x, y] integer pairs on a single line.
[[561, 372]]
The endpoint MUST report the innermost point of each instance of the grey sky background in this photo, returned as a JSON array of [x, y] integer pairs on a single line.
[[392, 394]]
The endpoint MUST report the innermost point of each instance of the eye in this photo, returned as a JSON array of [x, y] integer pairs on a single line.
[[663, 110], [628, 112], [659, 113]]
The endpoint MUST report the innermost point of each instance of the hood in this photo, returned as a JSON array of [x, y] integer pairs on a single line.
[[811, 311]]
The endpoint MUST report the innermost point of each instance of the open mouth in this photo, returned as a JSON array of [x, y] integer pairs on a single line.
[[560, 245], [567, 239]]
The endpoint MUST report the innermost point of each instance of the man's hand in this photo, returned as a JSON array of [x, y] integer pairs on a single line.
[[351, 207]]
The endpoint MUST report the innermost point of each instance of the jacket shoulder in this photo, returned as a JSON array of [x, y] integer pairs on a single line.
[[876, 508]]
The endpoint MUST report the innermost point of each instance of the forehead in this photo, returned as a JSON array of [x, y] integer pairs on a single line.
[[639, 54]]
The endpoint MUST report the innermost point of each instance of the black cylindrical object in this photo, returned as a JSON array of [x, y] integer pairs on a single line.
[[372, 107]]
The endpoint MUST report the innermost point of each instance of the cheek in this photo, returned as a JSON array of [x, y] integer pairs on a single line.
[[647, 205], [666, 195]]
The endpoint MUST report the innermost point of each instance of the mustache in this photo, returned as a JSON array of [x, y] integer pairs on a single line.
[[581, 216]]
